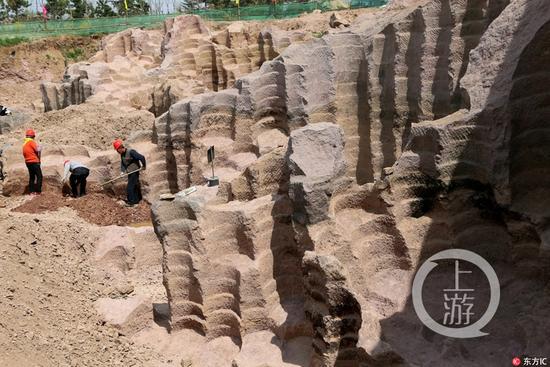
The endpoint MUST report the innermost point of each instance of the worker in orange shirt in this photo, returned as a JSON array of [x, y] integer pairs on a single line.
[[31, 152]]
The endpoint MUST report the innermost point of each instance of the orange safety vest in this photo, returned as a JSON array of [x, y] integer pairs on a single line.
[[30, 151]]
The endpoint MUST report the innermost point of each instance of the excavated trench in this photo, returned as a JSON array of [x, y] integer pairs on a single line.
[[102, 205]]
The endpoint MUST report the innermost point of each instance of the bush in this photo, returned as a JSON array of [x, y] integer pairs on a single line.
[[12, 41], [73, 54]]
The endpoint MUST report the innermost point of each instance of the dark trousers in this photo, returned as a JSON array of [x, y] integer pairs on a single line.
[[133, 190], [35, 177], [78, 178]]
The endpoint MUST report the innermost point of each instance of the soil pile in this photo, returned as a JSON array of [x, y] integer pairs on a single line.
[[87, 124], [96, 208]]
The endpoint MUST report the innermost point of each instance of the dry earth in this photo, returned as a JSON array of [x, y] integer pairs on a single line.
[[23, 66]]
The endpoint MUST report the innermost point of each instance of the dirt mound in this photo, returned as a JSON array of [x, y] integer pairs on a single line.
[[24, 66], [29, 61], [97, 208], [87, 124]]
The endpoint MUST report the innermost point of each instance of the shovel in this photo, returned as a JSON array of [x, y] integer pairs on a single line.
[[121, 176]]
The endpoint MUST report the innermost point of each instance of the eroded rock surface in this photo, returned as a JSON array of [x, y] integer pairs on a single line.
[[407, 133], [152, 69]]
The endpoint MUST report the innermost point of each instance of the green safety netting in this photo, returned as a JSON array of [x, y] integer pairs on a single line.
[[261, 12], [78, 26], [90, 26], [284, 10], [356, 4]]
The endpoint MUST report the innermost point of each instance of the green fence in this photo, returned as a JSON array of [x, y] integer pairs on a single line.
[[281, 11], [110, 25], [260, 12], [357, 4], [80, 27]]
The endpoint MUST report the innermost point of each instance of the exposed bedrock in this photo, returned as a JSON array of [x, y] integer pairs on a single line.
[[74, 91], [336, 184], [375, 80], [478, 180], [315, 160], [232, 269], [152, 69], [333, 309]]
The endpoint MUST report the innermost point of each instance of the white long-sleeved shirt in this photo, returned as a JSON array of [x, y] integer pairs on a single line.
[[69, 167]]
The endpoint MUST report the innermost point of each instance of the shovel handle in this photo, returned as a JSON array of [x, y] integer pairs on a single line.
[[121, 176]]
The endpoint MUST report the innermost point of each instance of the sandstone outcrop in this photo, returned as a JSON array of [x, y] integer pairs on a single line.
[[152, 69], [404, 134], [316, 161]]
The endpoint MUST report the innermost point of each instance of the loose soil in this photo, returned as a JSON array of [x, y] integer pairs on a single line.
[[86, 124], [96, 208], [24, 66]]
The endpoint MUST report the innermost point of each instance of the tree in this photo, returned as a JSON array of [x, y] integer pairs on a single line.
[[16, 6], [57, 8], [3, 10], [220, 4], [141, 6], [80, 8], [189, 5], [135, 7], [103, 9]]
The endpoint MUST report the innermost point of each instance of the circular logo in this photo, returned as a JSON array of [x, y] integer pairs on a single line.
[[516, 361], [470, 331]]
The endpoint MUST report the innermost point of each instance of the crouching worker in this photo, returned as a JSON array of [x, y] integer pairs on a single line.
[[78, 175], [31, 153], [131, 162], [4, 111]]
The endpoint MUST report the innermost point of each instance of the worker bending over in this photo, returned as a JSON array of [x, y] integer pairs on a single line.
[[31, 153], [131, 162], [78, 175]]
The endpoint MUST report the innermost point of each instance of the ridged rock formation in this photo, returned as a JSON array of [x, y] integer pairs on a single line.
[[316, 232], [151, 69]]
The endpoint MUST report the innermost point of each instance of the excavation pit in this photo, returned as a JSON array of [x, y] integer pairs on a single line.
[[96, 207]]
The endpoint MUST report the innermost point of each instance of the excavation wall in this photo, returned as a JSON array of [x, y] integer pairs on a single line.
[[336, 183]]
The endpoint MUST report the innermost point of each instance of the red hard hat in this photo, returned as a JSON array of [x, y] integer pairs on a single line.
[[30, 132], [117, 144]]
